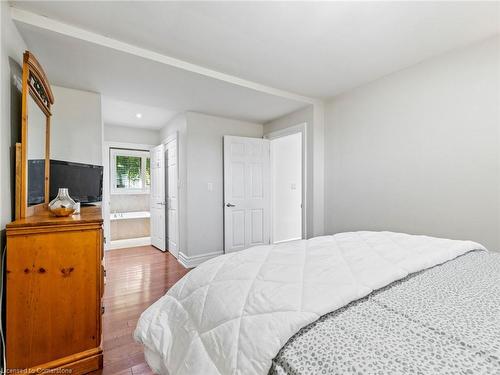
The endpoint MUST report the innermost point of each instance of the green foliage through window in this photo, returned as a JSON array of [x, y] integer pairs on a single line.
[[128, 172], [148, 172], [132, 171]]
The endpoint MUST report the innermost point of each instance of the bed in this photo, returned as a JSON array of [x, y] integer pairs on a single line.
[[358, 302]]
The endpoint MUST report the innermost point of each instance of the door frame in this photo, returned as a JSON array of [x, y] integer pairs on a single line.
[[299, 128], [106, 182], [173, 137]]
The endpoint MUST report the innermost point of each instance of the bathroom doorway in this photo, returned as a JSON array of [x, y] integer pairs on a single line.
[[127, 195]]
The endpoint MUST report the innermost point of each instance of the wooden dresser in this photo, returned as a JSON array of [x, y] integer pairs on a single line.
[[54, 289]]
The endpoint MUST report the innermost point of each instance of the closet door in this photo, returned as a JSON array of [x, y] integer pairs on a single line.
[[172, 198], [157, 199]]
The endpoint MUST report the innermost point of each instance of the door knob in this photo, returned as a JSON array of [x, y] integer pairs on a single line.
[[230, 205]]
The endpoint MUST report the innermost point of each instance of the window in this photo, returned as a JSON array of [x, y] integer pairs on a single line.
[[130, 172]]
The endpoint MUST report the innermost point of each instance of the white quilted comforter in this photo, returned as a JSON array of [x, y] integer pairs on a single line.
[[232, 314]]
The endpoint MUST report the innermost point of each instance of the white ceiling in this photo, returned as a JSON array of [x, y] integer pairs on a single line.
[[317, 49], [121, 77], [123, 113]]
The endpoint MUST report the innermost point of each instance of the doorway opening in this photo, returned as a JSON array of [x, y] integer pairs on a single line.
[[286, 188], [265, 191], [126, 203], [140, 195]]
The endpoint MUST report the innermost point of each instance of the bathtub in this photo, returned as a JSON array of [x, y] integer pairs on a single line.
[[129, 215]]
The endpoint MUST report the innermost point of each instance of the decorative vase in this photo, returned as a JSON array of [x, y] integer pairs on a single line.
[[62, 205]]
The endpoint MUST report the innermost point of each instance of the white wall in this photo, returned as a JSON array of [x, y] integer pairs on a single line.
[[76, 132], [418, 151], [314, 117], [11, 56], [177, 124], [200, 162], [286, 166], [125, 134], [294, 118], [204, 165], [305, 115], [318, 172], [12, 47]]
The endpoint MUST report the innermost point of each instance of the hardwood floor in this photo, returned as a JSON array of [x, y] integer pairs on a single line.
[[135, 278]]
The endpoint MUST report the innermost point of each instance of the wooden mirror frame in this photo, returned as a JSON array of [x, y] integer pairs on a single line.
[[36, 84]]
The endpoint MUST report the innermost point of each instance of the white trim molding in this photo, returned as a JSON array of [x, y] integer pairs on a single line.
[[55, 26], [317, 174], [301, 128], [129, 242], [174, 136], [144, 155], [196, 260]]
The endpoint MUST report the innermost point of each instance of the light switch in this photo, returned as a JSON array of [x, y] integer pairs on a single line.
[[293, 186], [210, 186]]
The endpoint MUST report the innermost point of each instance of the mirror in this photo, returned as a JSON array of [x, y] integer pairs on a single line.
[[32, 154], [36, 130]]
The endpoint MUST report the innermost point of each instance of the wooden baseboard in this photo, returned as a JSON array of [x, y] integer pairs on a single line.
[[78, 364], [84, 366]]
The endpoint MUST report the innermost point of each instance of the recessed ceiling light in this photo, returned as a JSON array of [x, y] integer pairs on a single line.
[[138, 115]]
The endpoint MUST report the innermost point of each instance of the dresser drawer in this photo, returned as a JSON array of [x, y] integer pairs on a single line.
[[54, 290]]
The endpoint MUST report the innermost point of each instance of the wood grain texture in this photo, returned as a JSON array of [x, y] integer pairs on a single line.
[[31, 67], [44, 218], [23, 193], [135, 278], [37, 70], [54, 286]]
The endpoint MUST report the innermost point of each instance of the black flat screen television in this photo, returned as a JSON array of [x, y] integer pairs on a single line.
[[84, 181], [36, 181]]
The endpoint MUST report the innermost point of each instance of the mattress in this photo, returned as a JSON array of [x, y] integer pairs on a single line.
[[444, 320], [234, 313]]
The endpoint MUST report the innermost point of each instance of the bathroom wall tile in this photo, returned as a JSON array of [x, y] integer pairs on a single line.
[[129, 202], [130, 228]]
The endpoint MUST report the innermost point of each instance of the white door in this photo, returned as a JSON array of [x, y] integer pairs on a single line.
[[246, 192], [157, 198], [172, 198]]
